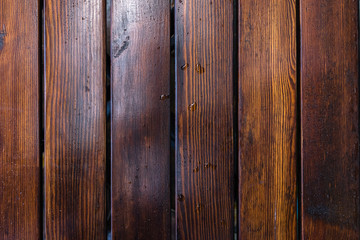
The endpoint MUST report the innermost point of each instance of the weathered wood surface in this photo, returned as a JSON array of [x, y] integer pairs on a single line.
[[140, 57], [20, 205], [204, 142], [267, 119], [75, 148], [330, 119]]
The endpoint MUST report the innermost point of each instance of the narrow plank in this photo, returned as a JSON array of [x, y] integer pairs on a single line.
[[140, 57], [267, 119], [75, 120], [330, 119], [19, 120], [204, 140]]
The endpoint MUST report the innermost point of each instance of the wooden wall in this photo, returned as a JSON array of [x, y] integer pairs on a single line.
[[255, 103]]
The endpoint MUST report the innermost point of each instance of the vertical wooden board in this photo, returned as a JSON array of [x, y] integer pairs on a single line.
[[140, 57], [267, 119], [19, 120], [75, 120], [329, 119], [204, 137]]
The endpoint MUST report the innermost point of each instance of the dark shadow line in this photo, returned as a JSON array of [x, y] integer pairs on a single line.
[[235, 115], [358, 32], [108, 113], [41, 112]]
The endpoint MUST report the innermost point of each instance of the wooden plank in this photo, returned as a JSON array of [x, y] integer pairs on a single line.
[[204, 141], [330, 119], [267, 119], [20, 206], [140, 57], [75, 148]]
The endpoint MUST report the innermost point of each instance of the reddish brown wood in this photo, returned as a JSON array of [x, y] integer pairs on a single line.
[[204, 143], [19, 120], [75, 119], [267, 119], [330, 119], [140, 57]]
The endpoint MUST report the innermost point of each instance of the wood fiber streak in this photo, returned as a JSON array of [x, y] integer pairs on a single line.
[[19, 120], [204, 140], [330, 119], [75, 119], [140, 58], [267, 119]]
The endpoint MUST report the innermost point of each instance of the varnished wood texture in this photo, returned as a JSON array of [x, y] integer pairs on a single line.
[[329, 119], [19, 120], [140, 57], [267, 119], [204, 141], [75, 119]]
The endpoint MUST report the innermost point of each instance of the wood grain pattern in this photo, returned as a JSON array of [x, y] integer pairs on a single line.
[[140, 57], [267, 119], [330, 119], [19, 120], [204, 141], [75, 119]]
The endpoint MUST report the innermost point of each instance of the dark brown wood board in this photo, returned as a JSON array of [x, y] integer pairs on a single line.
[[267, 119], [75, 150], [20, 206], [140, 61], [330, 119], [204, 138]]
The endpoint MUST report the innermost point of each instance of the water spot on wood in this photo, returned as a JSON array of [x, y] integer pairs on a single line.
[[164, 97], [210, 165], [199, 68], [181, 197], [2, 37], [193, 106], [119, 48], [199, 207], [185, 66]]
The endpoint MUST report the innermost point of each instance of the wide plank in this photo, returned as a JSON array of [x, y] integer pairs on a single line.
[[20, 204], [267, 119], [75, 148], [140, 86], [205, 165], [330, 119]]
